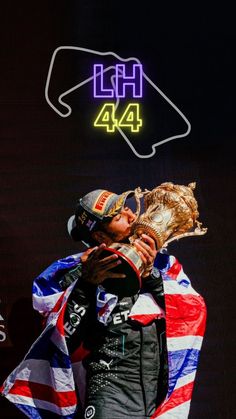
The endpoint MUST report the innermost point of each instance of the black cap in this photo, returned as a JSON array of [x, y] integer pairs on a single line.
[[97, 206]]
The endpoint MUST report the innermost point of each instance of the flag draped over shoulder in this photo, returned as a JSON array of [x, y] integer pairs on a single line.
[[43, 385], [185, 327]]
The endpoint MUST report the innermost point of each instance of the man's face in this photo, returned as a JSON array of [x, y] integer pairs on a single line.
[[119, 228]]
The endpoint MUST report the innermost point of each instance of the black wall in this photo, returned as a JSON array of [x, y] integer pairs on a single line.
[[47, 162]]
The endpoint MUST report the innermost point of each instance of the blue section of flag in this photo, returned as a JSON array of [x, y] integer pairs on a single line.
[[162, 261], [47, 283], [181, 363], [184, 282], [45, 349], [37, 413]]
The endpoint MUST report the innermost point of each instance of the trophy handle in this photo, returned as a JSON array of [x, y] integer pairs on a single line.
[[138, 194], [199, 231]]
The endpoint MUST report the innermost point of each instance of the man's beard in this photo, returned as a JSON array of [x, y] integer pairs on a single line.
[[123, 240], [126, 240], [113, 237]]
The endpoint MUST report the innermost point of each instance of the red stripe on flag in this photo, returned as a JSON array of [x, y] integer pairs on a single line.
[[145, 318], [80, 353], [44, 392], [103, 309], [60, 321], [55, 309], [58, 304], [177, 397], [185, 315], [174, 270]]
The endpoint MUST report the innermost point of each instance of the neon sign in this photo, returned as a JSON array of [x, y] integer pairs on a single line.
[[64, 109], [123, 83], [130, 118]]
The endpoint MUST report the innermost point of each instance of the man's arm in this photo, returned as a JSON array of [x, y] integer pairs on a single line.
[[49, 286], [151, 278], [91, 271], [153, 284], [78, 310]]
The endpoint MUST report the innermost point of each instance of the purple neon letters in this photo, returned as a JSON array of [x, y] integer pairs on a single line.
[[123, 82]]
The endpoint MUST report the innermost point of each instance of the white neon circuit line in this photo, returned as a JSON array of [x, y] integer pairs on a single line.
[[69, 110]]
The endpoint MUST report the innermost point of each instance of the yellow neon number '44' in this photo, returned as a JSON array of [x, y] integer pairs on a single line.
[[130, 118], [106, 117]]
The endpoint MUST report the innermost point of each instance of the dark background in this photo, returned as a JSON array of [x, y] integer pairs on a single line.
[[47, 162]]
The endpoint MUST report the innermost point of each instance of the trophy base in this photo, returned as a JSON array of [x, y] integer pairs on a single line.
[[129, 286]]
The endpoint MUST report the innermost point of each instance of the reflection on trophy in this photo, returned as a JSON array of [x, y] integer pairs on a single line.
[[170, 213]]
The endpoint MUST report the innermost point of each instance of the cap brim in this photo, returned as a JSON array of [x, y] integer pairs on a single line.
[[71, 224], [119, 204]]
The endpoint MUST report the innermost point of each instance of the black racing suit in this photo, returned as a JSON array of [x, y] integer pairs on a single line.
[[127, 365]]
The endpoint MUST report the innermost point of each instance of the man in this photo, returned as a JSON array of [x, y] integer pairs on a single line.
[[123, 367], [118, 342]]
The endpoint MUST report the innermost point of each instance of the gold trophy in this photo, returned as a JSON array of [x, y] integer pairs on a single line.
[[170, 213]]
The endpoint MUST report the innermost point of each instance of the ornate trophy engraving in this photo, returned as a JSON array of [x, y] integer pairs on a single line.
[[171, 213]]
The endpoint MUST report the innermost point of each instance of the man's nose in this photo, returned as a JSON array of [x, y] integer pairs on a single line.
[[129, 214], [132, 217]]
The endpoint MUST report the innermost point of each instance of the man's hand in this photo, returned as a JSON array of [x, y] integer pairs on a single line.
[[95, 270], [146, 248]]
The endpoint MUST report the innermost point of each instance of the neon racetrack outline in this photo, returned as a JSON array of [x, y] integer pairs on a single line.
[[69, 110]]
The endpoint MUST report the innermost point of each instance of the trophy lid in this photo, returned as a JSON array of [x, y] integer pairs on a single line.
[[171, 213]]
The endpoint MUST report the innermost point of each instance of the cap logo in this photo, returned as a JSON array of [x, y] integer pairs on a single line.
[[118, 205], [89, 412], [101, 201], [90, 224], [83, 217]]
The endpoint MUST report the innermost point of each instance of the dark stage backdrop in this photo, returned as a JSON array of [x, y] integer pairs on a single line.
[[47, 161]]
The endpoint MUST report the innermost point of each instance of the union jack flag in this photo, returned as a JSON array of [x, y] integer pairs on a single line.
[[45, 384]]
